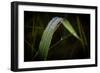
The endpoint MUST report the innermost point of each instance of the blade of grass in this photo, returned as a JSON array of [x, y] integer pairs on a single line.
[[47, 36], [69, 27], [33, 32], [82, 34]]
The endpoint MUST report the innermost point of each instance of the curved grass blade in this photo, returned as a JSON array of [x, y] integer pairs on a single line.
[[69, 27], [47, 36]]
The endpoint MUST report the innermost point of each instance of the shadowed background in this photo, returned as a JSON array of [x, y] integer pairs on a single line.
[[63, 45]]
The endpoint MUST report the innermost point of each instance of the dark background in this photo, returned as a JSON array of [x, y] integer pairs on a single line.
[[70, 48]]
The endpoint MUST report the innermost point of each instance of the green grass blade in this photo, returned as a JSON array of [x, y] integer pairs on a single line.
[[82, 33], [69, 27], [47, 36]]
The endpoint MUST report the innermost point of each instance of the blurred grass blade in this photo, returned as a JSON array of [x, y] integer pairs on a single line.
[[47, 36], [69, 27], [81, 32]]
